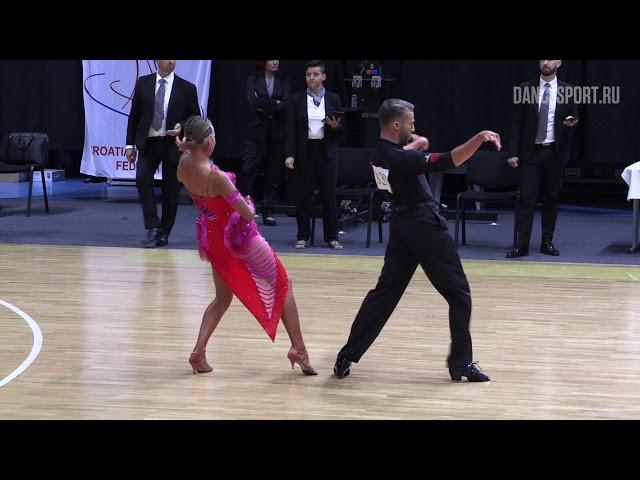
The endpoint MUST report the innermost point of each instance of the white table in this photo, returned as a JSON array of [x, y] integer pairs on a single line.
[[631, 175]]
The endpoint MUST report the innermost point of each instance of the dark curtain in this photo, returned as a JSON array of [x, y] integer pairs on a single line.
[[454, 99], [611, 133], [45, 96]]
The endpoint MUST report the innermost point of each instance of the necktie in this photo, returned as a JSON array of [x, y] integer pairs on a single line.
[[543, 115], [270, 86], [158, 107]]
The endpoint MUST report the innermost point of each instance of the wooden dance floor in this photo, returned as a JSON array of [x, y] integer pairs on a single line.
[[105, 333]]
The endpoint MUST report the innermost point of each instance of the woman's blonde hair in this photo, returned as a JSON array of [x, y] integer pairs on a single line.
[[196, 130]]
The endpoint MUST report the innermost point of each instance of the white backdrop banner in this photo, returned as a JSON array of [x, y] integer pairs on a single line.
[[108, 89]]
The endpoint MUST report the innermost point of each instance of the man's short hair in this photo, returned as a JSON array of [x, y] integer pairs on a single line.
[[392, 110], [313, 64]]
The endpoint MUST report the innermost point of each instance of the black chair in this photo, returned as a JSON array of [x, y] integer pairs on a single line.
[[498, 182], [355, 182], [26, 152]]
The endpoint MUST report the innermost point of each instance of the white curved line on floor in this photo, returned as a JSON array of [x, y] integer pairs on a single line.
[[37, 343]]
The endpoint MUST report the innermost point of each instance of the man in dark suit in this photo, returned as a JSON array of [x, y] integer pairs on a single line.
[[268, 95], [311, 147], [160, 101], [544, 117]]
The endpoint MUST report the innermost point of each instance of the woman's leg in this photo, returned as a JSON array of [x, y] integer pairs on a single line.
[[291, 321], [213, 313]]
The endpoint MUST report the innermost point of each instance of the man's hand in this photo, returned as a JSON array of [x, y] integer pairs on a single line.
[[130, 153], [288, 162], [513, 161], [418, 143], [176, 130], [493, 137], [570, 121]]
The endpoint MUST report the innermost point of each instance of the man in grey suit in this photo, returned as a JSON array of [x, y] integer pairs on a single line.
[[161, 101]]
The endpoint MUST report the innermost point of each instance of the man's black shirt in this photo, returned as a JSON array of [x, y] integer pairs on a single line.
[[407, 169]]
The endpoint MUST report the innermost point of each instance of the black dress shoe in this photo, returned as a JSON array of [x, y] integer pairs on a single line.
[[163, 239], [269, 221], [152, 237], [518, 252], [548, 249], [342, 368], [472, 372]]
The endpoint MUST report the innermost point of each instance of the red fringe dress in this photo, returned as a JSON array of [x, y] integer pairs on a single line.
[[253, 272]]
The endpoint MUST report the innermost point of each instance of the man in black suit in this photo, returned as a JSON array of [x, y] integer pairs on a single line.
[[539, 144], [160, 100], [268, 95], [311, 145]]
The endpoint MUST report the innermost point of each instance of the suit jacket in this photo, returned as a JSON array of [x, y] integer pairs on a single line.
[[183, 103], [265, 111], [298, 126], [525, 125]]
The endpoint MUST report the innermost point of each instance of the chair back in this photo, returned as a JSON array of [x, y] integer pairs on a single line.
[[491, 171], [354, 167]]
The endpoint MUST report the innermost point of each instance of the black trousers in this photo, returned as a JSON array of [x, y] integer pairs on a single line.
[[542, 172], [416, 237], [159, 150], [272, 153], [316, 170]]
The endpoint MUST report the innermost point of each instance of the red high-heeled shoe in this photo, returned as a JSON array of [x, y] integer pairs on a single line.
[[302, 359], [198, 362]]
